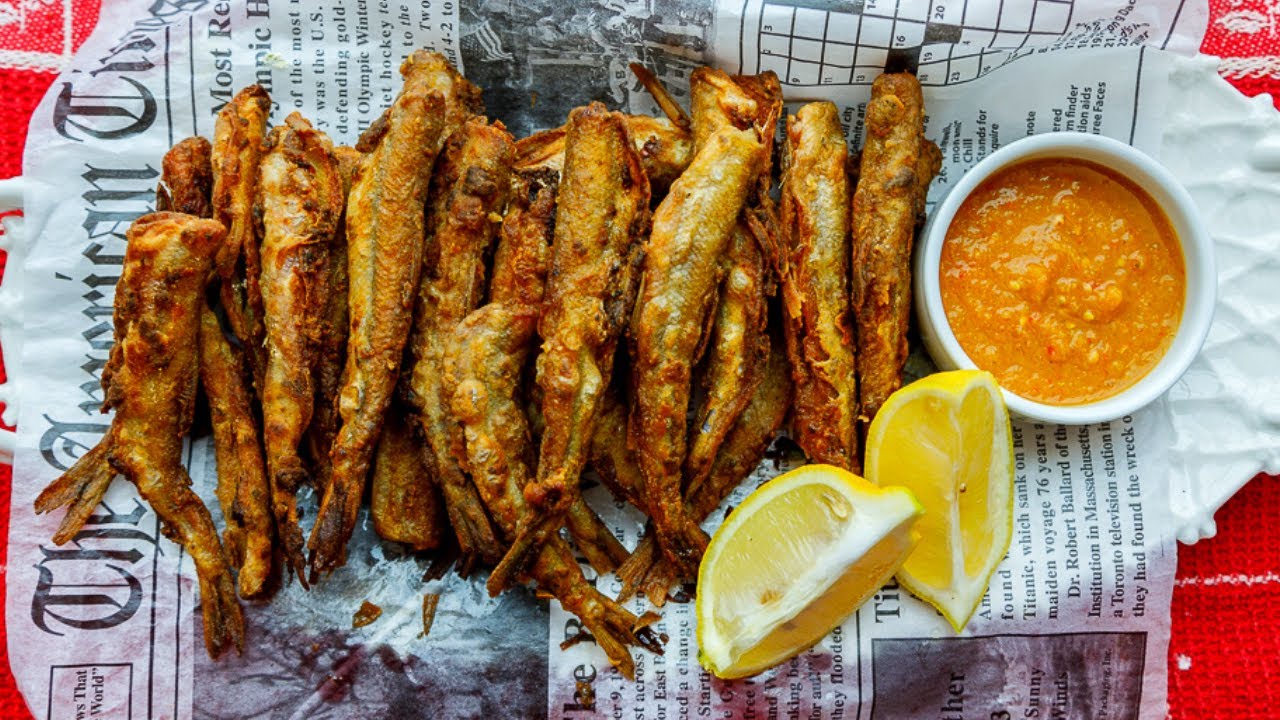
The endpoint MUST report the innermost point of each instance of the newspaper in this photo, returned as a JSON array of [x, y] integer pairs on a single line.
[[1076, 621]]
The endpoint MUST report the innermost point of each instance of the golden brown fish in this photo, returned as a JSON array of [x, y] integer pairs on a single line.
[[186, 178], [238, 133], [602, 212], [691, 230], [736, 352], [817, 314], [889, 197], [186, 185], [485, 361], [647, 569], [298, 208], [150, 381], [737, 344], [243, 490], [469, 189], [331, 345], [384, 260]]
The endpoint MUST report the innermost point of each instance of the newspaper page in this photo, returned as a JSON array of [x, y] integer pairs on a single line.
[[1076, 621]]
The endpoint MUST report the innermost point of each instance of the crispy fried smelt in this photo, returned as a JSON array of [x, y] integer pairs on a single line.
[[469, 189], [384, 229], [817, 314], [736, 353], [885, 206], [737, 344], [238, 133], [647, 569], [331, 345], [691, 230], [186, 184], [243, 490], [405, 504], [151, 383], [186, 179], [519, 273], [502, 335], [602, 212], [485, 362], [298, 207], [665, 150]]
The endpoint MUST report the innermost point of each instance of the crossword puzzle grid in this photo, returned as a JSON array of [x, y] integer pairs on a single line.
[[811, 42]]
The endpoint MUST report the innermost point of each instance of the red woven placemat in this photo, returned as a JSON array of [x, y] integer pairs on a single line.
[[1224, 658]]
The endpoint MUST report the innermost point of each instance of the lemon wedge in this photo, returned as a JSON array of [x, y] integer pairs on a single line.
[[792, 561], [947, 438]]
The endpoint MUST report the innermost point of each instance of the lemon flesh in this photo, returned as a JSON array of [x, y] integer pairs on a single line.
[[798, 556], [947, 437]]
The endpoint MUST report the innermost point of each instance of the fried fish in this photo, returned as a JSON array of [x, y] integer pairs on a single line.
[[602, 212], [897, 166], [238, 133], [691, 230], [150, 382], [484, 363], [470, 188], [298, 207], [818, 317], [384, 230]]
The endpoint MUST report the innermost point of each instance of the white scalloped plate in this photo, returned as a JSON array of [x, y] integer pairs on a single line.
[[1223, 417]]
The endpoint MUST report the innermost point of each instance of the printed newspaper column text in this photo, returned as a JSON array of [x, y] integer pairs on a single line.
[[1078, 524], [90, 691]]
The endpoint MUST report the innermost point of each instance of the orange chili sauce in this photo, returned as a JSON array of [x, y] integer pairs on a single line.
[[1064, 279]]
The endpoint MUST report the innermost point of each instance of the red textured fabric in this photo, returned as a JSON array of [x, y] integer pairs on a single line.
[[1224, 657], [1246, 34]]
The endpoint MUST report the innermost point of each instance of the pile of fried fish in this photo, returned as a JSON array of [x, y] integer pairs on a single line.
[[462, 323]]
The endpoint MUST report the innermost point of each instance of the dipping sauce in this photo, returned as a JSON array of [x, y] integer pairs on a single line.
[[1064, 279]]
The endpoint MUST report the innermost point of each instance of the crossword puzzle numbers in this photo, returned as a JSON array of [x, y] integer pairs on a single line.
[[812, 42]]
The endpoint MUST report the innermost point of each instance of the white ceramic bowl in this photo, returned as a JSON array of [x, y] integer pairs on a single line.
[[1197, 254]]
